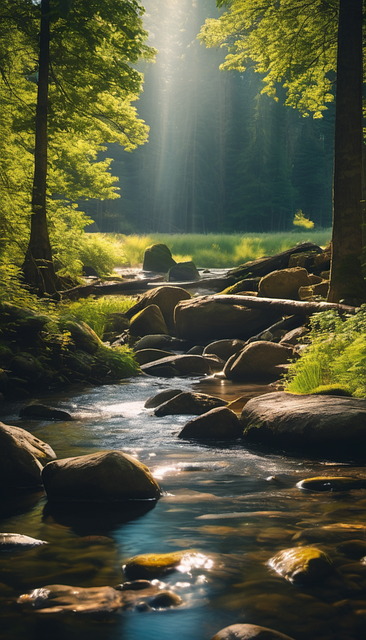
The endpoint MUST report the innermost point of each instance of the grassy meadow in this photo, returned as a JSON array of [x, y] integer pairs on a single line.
[[211, 250]]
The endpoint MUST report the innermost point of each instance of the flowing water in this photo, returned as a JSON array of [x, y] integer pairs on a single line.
[[234, 506]]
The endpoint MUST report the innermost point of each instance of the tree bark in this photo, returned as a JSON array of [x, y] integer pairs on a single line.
[[38, 267], [346, 282]]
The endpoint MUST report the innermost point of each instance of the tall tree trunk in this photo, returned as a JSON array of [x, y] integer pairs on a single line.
[[346, 281], [38, 267]]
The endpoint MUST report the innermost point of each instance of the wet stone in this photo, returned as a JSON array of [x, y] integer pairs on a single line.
[[163, 396], [302, 565], [18, 542], [249, 632], [330, 483]]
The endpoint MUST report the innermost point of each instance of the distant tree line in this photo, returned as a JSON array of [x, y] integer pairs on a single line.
[[221, 157]]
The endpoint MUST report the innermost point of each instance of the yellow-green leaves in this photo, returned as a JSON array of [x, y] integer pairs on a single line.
[[293, 42]]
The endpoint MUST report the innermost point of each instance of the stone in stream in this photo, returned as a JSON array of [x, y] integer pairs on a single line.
[[36, 410], [183, 271], [283, 283], [302, 566], [188, 402], [331, 483], [62, 599], [249, 632], [218, 424], [205, 318], [109, 476], [182, 364], [224, 348], [144, 356], [22, 457], [18, 542], [153, 565], [160, 398], [158, 258], [160, 341], [148, 321], [165, 297], [257, 360], [330, 533], [321, 425]]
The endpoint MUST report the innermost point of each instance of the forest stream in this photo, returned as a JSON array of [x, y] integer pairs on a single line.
[[236, 508]]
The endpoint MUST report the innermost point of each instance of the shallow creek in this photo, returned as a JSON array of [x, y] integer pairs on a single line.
[[236, 507]]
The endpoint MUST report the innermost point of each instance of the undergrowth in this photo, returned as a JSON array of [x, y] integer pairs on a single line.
[[335, 357], [95, 311]]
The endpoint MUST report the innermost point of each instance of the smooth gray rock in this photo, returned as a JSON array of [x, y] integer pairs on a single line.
[[319, 425], [218, 424], [109, 476], [189, 403], [249, 632], [22, 457]]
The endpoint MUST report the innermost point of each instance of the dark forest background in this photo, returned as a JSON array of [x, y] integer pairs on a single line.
[[221, 156]]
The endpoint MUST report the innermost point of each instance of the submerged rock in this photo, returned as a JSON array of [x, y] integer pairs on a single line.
[[217, 424], [331, 483], [22, 457], [249, 632], [302, 565], [321, 425], [153, 565], [61, 599], [18, 542], [99, 477], [36, 410]]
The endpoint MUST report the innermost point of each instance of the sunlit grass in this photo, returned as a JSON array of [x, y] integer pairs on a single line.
[[95, 311], [216, 250]]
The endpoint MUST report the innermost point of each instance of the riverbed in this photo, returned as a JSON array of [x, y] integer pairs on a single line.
[[236, 507]]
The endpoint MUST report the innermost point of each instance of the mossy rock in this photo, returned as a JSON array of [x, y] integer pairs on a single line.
[[183, 271], [302, 566], [148, 321], [331, 390], [158, 258], [83, 336], [331, 483], [153, 565]]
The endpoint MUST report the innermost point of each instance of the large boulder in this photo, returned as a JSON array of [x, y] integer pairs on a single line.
[[183, 271], [284, 283], [189, 403], [109, 476], [178, 365], [218, 424], [22, 457], [148, 321], [249, 632], [321, 425], [165, 297], [302, 566], [158, 258], [205, 318], [257, 360]]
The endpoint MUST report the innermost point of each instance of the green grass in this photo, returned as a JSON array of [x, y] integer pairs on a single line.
[[336, 356], [95, 311], [216, 250]]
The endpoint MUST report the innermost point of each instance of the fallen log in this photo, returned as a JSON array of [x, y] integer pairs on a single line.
[[283, 307], [262, 266], [111, 288]]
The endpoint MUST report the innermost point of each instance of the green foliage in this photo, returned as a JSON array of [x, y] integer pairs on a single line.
[[301, 221], [95, 311], [218, 250], [336, 355], [291, 42], [119, 360]]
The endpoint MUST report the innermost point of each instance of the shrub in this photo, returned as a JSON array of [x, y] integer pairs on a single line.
[[336, 355], [95, 311]]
